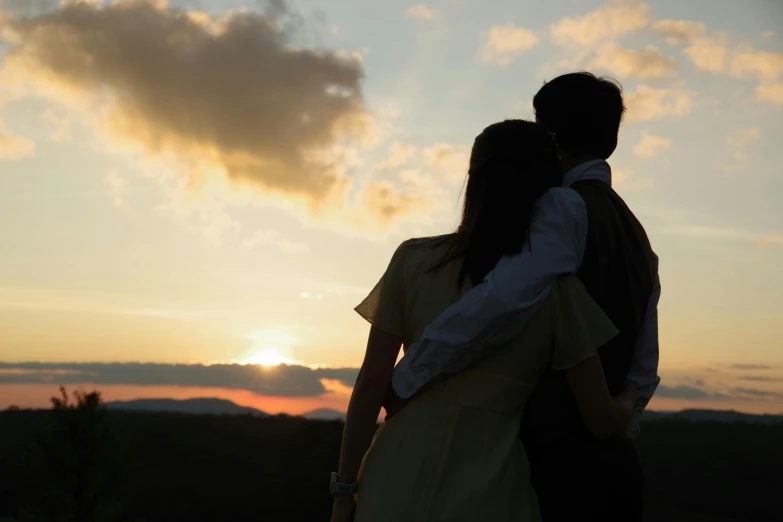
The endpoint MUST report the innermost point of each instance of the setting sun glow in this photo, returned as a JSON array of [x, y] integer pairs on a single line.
[[268, 358]]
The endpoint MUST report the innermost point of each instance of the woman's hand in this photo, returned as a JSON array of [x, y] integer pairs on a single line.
[[343, 508]]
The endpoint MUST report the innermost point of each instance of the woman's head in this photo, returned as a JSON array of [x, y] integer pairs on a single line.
[[511, 165]]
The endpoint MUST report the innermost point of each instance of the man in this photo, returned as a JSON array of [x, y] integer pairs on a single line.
[[577, 477]]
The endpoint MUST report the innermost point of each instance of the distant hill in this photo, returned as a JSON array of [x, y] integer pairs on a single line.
[[713, 415], [213, 406], [206, 406], [324, 414]]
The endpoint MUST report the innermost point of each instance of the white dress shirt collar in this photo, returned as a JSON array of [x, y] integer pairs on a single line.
[[593, 169]]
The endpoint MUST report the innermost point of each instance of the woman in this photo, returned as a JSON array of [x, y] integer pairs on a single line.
[[453, 453]]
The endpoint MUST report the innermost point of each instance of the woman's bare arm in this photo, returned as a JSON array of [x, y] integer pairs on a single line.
[[605, 416], [366, 400]]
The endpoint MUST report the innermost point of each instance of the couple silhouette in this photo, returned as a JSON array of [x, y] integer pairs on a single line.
[[530, 338]]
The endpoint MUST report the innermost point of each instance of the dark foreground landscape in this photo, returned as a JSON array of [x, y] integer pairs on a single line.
[[90, 463]]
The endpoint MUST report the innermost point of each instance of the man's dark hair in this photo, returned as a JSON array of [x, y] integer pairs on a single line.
[[582, 111]]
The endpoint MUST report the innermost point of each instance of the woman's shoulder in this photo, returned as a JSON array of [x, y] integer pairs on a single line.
[[424, 249], [428, 243]]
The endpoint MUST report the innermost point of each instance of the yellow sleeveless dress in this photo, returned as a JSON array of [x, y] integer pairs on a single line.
[[453, 454]]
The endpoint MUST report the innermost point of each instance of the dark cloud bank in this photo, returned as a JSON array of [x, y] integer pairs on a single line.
[[283, 381]]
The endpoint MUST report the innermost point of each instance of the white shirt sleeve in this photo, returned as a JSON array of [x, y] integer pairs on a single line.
[[644, 369], [498, 309]]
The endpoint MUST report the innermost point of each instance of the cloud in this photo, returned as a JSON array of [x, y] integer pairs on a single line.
[[651, 146], [708, 54], [718, 53], [504, 43], [420, 12], [14, 148], [754, 393], [281, 381], [771, 93], [449, 160], [684, 391], [768, 34], [232, 92], [614, 19], [227, 110], [750, 367], [648, 62], [759, 378], [761, 65], [399, 155], [678, 31], [273, 238], [385, 201], [647, 103]]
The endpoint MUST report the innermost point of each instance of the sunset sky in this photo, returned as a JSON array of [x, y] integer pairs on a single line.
[[216, 182]]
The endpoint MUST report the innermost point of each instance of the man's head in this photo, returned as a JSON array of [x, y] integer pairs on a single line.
[[583, 112]]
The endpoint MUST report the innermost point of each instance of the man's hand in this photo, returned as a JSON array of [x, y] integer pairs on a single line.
[[393, 403]]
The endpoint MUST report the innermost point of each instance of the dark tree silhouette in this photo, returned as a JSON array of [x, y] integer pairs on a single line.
[[74, 469]]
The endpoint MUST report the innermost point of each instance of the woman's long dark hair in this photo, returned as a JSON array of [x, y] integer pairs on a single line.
[[511, 165]]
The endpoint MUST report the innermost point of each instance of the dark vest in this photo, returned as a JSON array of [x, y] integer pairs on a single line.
[[618, 270]]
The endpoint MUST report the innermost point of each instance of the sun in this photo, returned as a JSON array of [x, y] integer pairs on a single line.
[[271, 347], [267, 358]]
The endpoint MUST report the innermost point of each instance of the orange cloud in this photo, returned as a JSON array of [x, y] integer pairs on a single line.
[[399, 155], [678, 31], [591, 41], [708, 54], [647, 103], [647, 62], [504, 43], [763, 65], [385, 201], [651, 146], [614, 19], [720, 53], [450, 161]]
